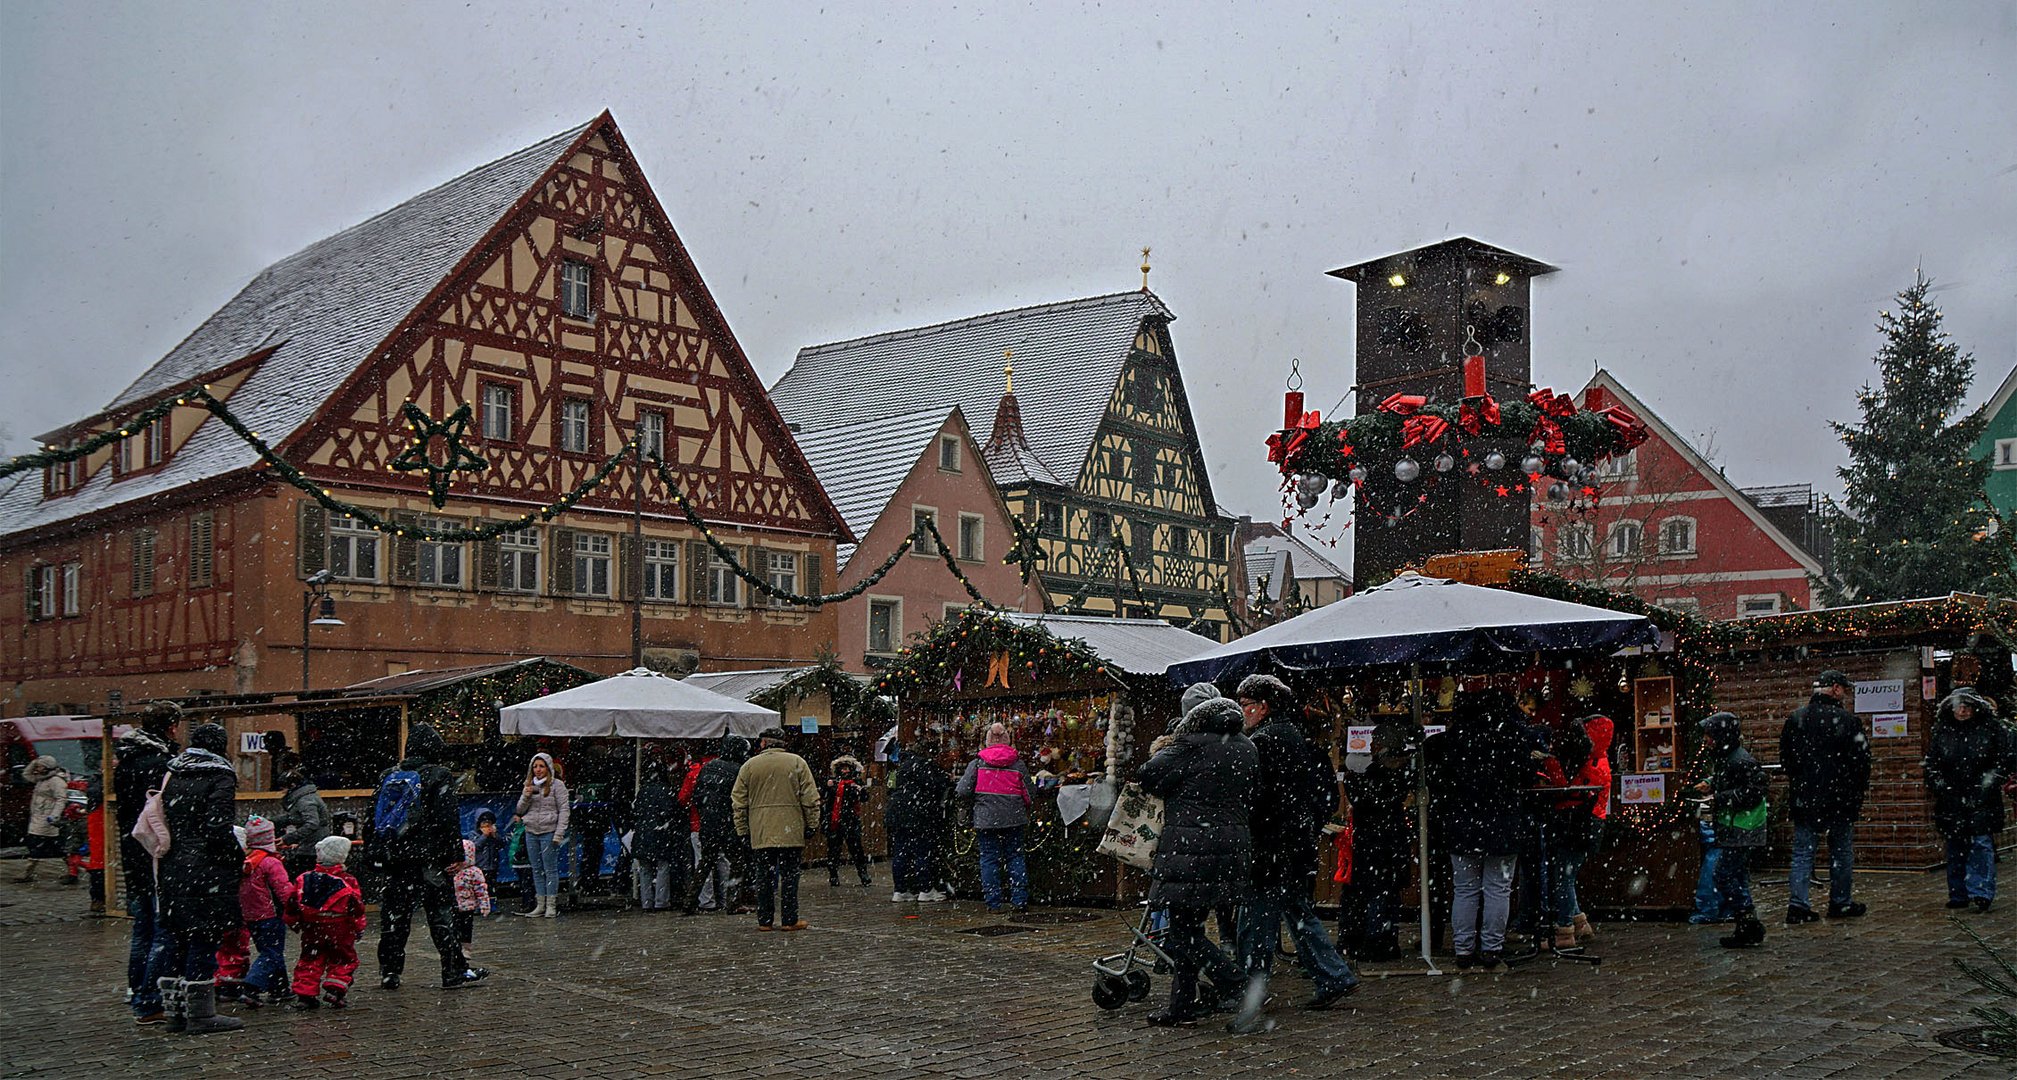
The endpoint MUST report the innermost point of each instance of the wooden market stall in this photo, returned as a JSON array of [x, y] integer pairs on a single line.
[[1073, 691]]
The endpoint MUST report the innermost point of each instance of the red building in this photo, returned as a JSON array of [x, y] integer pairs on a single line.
[[1669, 527]]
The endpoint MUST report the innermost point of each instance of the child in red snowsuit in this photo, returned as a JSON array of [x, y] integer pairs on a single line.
[[328, 913]]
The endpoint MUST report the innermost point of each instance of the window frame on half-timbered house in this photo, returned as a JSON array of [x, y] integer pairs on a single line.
[[651, 434], [433, 557], [890, 608], [518, 562], [577, 420], [661, 571], [499, 407], [781, 572], [592, 573], [577, 289], [721, 588], [357, 543]]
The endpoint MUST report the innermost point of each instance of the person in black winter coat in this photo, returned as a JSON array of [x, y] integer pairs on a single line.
[[1736, 790], [841, 800], [920, 802], [1383, 841], [196, 882], [713, 793], [1483, 765], [1206, 779], [1294, 794], [1971, 755], [419, 859], [1826, 755], [142, 761], [659, 850]]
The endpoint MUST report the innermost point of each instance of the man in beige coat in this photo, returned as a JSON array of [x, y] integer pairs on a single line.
[[776, 806]]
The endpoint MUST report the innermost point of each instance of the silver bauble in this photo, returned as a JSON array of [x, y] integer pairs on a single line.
[[1312, 484], [1568, 467], [1532, 464], [1407, 470], [1495, 461], [1306, 499], [1358, 474], [1340, 489], [1444, 463]]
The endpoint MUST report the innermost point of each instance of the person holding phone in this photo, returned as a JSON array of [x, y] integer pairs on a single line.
[[543, 810]]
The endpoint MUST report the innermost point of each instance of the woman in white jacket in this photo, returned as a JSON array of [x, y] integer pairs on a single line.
[[45, 813], [542, 809]]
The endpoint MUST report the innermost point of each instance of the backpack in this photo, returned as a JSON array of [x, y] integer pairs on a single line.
[[150, 828], [397, 796]]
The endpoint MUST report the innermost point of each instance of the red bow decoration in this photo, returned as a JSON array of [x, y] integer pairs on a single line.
[[1631, 430], [1474, 419], [1280, 449], [1403, 404], [1559, 406], [1424, 428], [1549, 433]]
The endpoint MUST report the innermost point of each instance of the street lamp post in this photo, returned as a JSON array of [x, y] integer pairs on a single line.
[[316, 601]]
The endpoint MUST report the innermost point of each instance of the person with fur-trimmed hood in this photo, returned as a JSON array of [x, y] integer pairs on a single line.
[[328, 914], [840, 816], [1971, 756]]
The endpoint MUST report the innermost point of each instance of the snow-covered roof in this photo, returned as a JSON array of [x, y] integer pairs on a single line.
[[1136, 646], [323, 310], [1068, 358], [863, 463]]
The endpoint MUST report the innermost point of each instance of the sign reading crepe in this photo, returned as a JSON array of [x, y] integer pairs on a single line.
[[1642, 789]]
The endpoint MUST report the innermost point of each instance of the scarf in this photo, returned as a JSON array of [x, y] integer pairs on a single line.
[[839, 800]]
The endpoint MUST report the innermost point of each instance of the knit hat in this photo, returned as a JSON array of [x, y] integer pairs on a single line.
[[1215, 716], [210, 737], [1195, 693], [332, 850], [1269, 690], [259, 834]]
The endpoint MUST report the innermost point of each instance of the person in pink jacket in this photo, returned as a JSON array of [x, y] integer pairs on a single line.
[[997, 783], [263, 896]]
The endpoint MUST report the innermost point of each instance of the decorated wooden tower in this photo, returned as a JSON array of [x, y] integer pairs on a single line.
[[1420, 314]]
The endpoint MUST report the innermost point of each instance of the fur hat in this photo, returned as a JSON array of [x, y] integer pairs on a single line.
[[259, 834], [210, 737], [332, 850], [849, 761], [1195, 693], [1216, 716]]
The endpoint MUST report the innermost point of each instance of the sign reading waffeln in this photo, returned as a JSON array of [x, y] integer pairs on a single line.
[[1359, 740], [1642, 789], [1880, 696]]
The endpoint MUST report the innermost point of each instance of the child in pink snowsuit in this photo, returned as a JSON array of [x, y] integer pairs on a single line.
[[472, 896], [328, 913], [263, 895]]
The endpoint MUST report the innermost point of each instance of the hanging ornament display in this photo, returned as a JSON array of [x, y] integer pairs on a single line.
[[1407, 470]]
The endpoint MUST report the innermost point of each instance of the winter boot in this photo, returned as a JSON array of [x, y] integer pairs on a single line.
[[1184, 1006], [203, 1018], [27, 875], [173, 1003], [1565, 938], [1585, 933], [1749, 933]]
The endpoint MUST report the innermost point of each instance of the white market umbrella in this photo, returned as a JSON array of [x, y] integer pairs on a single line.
[[638, 704]]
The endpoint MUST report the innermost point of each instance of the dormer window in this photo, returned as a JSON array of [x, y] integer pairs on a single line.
[[154, 443]]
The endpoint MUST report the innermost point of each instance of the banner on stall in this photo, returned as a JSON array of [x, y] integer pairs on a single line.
[[1889, 726], [1642, 789], [1880, 696]]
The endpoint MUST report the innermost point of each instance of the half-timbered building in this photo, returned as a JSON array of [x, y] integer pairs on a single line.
[[548, 292], [1094, 450]]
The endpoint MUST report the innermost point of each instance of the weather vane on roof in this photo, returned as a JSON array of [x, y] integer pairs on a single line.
[[1145, 269], [1008, 370]]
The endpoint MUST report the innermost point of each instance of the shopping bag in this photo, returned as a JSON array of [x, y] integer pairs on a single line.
[[1343, 874], [1136, 825]]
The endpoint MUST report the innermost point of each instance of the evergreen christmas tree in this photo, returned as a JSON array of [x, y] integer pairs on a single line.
[[1914, 520]]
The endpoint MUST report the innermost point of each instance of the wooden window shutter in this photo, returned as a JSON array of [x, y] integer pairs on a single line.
[[202, 549], [311, 539], [405, 549], [699, 563], [630, 571], [812, 586], [489, 557], [563, 562], [143, 562], [752, 560]]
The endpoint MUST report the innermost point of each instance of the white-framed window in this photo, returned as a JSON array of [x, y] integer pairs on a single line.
[[651, 433], [154, 447], [574, 414], [73, 588], [591, 564], [439, 562], [948, 453], [885, 624], [577, 289], [951, 611], [500, 409], [1677, 536], [2006, 454], [47, 585], [724, 588], [1686, 604], [971, 538], [1625, 539], [922, 543], [1536, 542], [1572, 541], [353, 549], [518, 561], [780, 572], [661, 570], [1752, 606], [1624, 466]]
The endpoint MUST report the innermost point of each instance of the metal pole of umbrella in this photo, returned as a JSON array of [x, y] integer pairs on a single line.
[[1422, 818]]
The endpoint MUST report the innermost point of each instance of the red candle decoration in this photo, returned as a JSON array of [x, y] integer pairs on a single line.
[[1292, 408], [1474, 376]]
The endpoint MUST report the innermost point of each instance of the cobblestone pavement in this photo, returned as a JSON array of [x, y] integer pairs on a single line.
[[877, 989]]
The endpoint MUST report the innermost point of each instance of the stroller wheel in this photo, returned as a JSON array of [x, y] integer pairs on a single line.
[[1109, 992], [1138, 984]]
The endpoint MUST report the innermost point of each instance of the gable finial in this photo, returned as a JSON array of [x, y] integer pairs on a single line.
[[1145, 269], [1008, 370]]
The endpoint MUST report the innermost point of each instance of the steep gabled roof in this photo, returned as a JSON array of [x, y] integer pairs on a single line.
[[323, 310], [1701, 466], [862, 464], [1272, 565], [1309, 563], [2001, 397], [1068, 358]]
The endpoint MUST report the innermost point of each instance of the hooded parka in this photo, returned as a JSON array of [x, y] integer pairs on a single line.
[[1206, 779], [1966, 765]]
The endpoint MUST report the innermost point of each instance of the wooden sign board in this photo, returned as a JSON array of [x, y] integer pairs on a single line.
[[1476, 567]]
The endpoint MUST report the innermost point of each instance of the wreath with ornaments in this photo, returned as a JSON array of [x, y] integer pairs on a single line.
[[1390, 459]]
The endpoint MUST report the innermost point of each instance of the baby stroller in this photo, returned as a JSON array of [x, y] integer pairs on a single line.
[[1130, 839]]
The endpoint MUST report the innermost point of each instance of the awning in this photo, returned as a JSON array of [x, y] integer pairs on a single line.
[[638, 704]]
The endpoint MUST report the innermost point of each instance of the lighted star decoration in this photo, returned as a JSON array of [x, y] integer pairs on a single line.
[[419, 455], [1026, 552]]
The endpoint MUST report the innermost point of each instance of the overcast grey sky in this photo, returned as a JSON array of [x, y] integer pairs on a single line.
[[1732, 190]]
